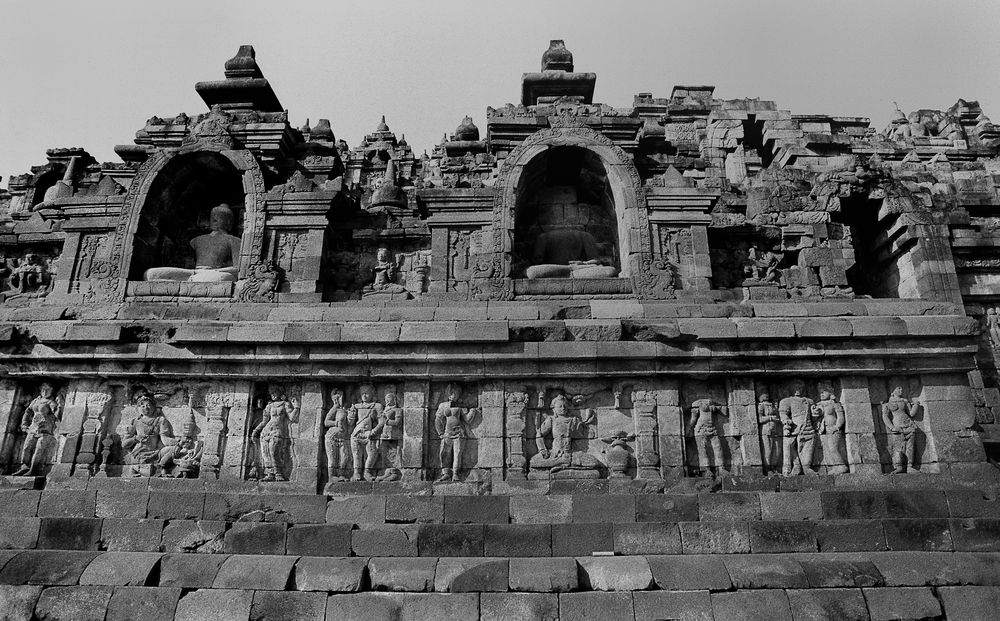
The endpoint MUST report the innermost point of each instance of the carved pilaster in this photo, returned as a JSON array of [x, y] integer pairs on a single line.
[[517, 463]]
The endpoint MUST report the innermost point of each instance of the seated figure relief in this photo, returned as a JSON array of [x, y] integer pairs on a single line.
[[561, 459], [216, 254], [565, 248]]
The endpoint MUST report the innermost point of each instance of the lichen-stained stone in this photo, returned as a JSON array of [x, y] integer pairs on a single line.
[[277, 606], [146, 603], [791, 506], [976, 534], [46, 567], [973, 503], [902, 603], [19, 533], [255, 538], [930, 535], [543, 575], [729, 507], [937, 568], [770, 604], [17, 602], [596, 606], [319, 539], [73, 603], [331, 574], [402, 574], [259, 572], [190, 571], [465, 575], [69, 533], [615, 573], [131, 535], [121, 569], [203, 536], [690, 572], [686, 605], [214, 605], [518, 607], [828, 604]]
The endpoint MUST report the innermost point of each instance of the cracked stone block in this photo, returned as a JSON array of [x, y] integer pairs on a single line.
[[203, 536], [610, 573], [255, 538], [385, 540], [131, 535], [402, 574], [319, 539], [335, 575], [46, 567]]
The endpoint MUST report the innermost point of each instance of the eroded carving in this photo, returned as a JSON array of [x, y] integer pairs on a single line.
[[38, 423], [897, 415], [558, 457], [452, 421], [274, 434]]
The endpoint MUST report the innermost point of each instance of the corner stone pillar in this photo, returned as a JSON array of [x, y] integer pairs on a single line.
[[9, 427], [517, 462], [416, 430], [305, 436], [670, 427], [742, 427], [859, 426]]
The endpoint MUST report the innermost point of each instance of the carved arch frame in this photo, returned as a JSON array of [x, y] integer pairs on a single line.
[[113, 276], [651, 278]]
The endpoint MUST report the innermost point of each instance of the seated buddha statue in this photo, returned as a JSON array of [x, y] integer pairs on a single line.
[[216, 254], [565, 248]]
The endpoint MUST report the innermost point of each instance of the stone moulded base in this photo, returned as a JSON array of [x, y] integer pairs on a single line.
[[168, 288], [542, 475]]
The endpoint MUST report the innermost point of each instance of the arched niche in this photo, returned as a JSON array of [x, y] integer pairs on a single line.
[[565, 211], [178, 206]]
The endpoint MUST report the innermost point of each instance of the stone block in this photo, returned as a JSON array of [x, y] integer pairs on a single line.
[[385, 540], [927, 535], [476, 510], [19, 533], [190, 571], [916, 504], [450, 539], [411, 509], [596, 606], [171, 505], [976, 534], [647, 538], [853, 505], [973, 503], [73, 603], [790, 506], [828, 604], [203, 536], [214, 605], [17, 602], [541, 509], [690, 572], [255, 538], [902, 603], [131, 535], [715, 537], [666, 508], [545, 575], [970, 603], [603, 508], [111, 503], [69, 533], [850, 536], [611, 573], [782, 536], [121, 569], [582, 539], [334, 575], [579, 487], [518, 607], [319, 540], [471, 575], [518, 540], [67, 503], [46, 567], [19, 503], [402, 574], [729, 507], [295, 508], [751, 606], [233, 507], [688, 606], [403, 606], [277, 606], [765, 571], [356, 510], [259, 572], [835, 571]]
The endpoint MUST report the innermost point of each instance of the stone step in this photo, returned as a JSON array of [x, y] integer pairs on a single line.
[[121, 585]]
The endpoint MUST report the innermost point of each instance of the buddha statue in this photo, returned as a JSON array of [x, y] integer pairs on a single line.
[[216, 254], [565, 248]]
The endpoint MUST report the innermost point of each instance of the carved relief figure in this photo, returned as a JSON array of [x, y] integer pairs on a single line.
[[706, 437], [831, 432], [452, 424], [562, 427], [39, 423], [274, 434], [898, 419], [363, 449], [146, 436], [339, 424], [216, 253], [762, 264], [770, 433], [797, 415], [31, 274], [183, 458], [388, 434], [386, 269]]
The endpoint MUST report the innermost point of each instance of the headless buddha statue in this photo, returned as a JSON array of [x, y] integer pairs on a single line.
[[216, 254], [565, 249]]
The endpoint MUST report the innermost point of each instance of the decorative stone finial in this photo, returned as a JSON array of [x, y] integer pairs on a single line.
[[557, 57], [388, 193], [467, 130], [897, 115], [382, 127], [243, 65], [322, 131]]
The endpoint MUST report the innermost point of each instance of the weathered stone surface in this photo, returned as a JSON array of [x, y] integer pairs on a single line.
[[131, 535], [609, 573], [518, 606], [410, 509], [215, 605], [67, 503], [46, 567], [976, 534], [902, 603], [610, 508], [791, 506], [666, 508], [476, 510], [751, 605], [518, 540], [255, 538], [403, 606], [385, 540], [203, 536], [173, 505], [686, 605], [826, 571], [465, 575], [121, 569], [146, 603], [545, 575], [715, 537], [771, 537], [450, 539], [19, 533], [690, 572], [970, 603], [319, 540], [190, 571], [402, 574], [276, 606], [828, 604], [69, 533], [582, 539], [73, 603], [765, 571], [356, 510], [334, 575], [17, 602], [259, 572], [541, 509], [647, 538], [850, 536], [729, 507], [19, 503], [928, 535], [596, 606]]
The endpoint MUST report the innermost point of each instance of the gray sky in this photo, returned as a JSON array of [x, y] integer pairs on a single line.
[[90, 73]]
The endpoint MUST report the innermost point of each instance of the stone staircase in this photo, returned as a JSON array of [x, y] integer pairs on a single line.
[[825, 547]]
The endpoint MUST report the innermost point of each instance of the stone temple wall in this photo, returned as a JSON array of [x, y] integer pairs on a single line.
[[697, 301]]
